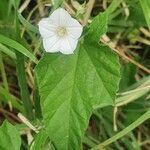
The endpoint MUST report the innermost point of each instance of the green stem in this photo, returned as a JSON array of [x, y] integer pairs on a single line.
[[140, 120]]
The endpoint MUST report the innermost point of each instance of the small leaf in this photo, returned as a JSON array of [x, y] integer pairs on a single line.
[[98, 27], [9, 137]]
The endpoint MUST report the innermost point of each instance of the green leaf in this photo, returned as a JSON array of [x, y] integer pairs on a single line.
[[27, 24], [4, 97], [122, 133], [136, 14], [128, 71], [145, 4], [41, 141], [17, 46], [57, 4], [22, 81], [9, 137], [112, 7], [7, 51], [98, 27], [71, 86], [133, 94]]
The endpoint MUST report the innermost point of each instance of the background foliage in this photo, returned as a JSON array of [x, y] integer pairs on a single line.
[[122, 30]]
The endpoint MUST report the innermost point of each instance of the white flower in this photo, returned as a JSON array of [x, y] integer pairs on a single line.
[[60, 32]]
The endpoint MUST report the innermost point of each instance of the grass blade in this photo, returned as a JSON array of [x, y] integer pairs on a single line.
[[145, 4], [17, 46], [132, 126], [4, 78], [16, 103], [27, 24], [23, 85], [7, 51]]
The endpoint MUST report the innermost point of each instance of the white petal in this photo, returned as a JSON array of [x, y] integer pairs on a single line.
[[68, 45], [46, 28], [74, 29], [51, 44], [60, 17]]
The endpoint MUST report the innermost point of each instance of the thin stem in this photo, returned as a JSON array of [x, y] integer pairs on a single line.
[[87, 15], [115, 118], [140, 120], [7, 113], [27, 122]]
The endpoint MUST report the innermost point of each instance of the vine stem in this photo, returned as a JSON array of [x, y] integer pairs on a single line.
[[132, 126]]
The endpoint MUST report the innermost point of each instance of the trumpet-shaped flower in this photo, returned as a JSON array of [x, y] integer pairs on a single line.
[[60, 32]]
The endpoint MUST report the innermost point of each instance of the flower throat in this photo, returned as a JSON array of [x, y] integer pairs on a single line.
[[61, 31]]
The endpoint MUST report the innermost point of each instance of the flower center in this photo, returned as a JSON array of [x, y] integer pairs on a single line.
[[61, 31]]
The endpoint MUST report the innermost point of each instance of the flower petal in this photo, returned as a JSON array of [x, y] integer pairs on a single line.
[[46, 28], [51, 44], [74, 29], [60, 17], [68, 45]]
